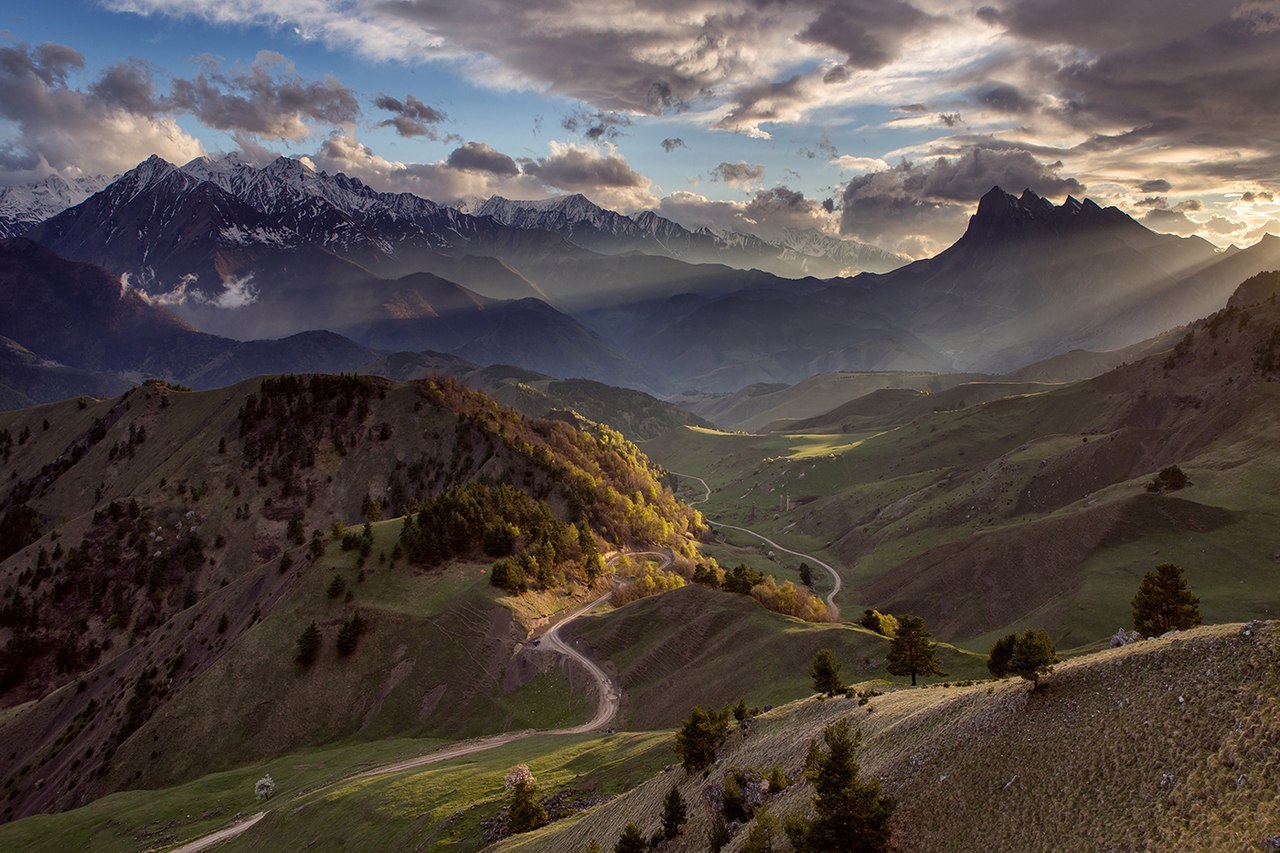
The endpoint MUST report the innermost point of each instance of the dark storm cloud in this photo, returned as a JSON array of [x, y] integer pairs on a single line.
[[601, 124], [671, 57], [479, 157], [868, 32], [412, 117], [1003, 98], [1158, 185], [1200, 76], [671, 143], [739, 173], [269, 99]]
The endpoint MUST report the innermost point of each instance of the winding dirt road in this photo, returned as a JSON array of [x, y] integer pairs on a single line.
[[835, 576], [610, 699]]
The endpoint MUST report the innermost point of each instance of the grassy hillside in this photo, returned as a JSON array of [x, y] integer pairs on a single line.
[[1164, 744], [162, 552], [439, 806], [755, 406], [1033, 510], [695, 646]]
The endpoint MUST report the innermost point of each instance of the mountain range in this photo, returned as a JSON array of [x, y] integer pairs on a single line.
[[566, 288]]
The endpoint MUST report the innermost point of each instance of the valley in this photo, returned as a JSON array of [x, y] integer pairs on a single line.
[[377, 500]]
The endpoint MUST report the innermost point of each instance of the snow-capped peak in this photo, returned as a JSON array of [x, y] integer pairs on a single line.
[[26, 205]]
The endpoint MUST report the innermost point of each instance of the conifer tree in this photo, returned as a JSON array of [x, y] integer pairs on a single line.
[[825, 672], [850, 814], [912, 651], [1164, 602]]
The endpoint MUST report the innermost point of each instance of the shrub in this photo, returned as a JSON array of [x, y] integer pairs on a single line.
[[884, 624], [1033, 656], [1169, 480], [265, 787], [631, 840]]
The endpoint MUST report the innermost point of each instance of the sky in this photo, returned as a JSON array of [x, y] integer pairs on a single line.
[[878, 120]]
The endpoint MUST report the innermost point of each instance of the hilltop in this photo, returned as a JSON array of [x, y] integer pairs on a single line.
[[163, 551]]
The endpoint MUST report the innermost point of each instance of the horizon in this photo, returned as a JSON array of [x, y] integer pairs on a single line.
[[882, 123]]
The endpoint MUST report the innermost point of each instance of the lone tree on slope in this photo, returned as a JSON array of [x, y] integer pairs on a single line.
[[308, 645], [825, 671], [1033, 656], [1164, 602], [674, 813], [850, 814], [700, 736], [912, 651], [526, 813]]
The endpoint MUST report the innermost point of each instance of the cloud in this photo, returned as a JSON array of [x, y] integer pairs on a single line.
[[105, 128], [918, 208], [1158, 185], [768, 214], [671, 143], [740, 174], [851, 163], [479, 157], [601, 124], [1169, 221], [659, 56], [572, 167], [412, 117], [235, 292], [268, 100], [476, 170], [868, 32]]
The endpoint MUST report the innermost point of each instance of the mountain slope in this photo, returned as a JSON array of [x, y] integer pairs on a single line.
[[1166, 744], [1034, 510], [81, 316], [1029, 279], [166, 549]]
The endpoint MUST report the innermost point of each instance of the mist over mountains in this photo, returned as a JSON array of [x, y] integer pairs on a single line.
[[566, 288]]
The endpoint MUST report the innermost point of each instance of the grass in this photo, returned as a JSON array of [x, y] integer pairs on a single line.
[[441, 806], [698, 646], [133, 819], [1165, 744], [948, 489]]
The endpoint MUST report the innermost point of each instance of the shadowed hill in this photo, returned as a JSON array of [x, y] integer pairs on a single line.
[[695, 646]]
